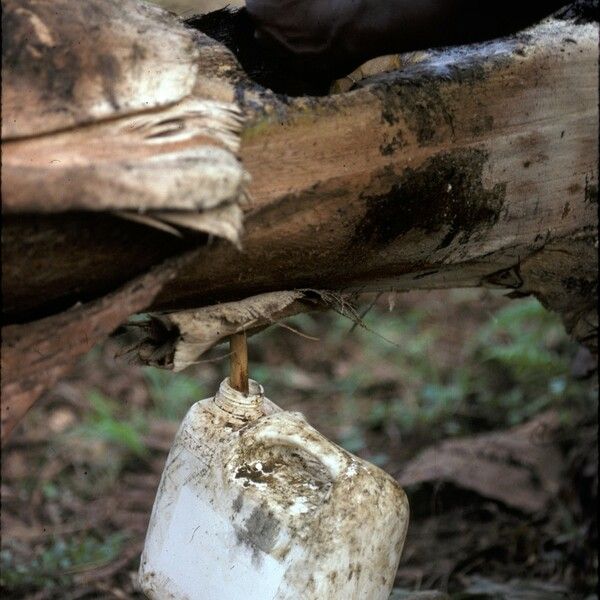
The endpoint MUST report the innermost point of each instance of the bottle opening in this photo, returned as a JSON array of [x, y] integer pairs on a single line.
[[241, 405]]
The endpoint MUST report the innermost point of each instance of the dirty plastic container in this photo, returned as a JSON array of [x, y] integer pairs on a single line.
[[255, 504]]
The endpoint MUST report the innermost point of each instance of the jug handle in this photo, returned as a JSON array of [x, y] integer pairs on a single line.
[[279, 430]]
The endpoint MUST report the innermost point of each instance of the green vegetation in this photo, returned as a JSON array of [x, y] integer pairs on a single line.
[[172, 394], [57, 562], [501, 372], [103, 423]]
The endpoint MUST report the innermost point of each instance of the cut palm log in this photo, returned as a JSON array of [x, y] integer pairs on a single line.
[[472, 166], [100, 114]]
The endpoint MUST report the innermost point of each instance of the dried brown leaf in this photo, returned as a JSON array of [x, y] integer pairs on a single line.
[[519, 467]]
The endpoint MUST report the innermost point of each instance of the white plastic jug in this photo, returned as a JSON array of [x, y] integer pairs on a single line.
[[255, 504]]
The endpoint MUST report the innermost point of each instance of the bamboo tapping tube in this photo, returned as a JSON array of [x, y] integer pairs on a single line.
[[238, 374]]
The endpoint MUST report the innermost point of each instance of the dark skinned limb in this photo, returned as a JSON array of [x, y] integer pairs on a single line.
[[339, 34]]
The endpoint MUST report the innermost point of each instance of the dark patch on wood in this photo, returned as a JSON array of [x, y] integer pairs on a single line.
[[422, 106], [396, 142], [591, 191], [53, 68], [138, 52], [446, 191], [238, 503], [415, 91], [532, 141], [580, 11], [110, 72], [481, 124], [506, 278], [586, 288]]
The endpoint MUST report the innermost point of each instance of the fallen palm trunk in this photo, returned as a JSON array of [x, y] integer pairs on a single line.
[[36, 355], [475, 166]]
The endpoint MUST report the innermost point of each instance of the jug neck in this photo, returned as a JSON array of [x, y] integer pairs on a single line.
[[237, 404]]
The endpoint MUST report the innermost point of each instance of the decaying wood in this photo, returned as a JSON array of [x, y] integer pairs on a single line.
[[451, 172], [473, 166], [99, 114], [177, 340], [37, 354], [121, 163], [66, 63], [477, 166]]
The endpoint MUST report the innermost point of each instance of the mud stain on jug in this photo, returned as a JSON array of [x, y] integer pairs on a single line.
[[259, 533], [252, 473], [238, 503]]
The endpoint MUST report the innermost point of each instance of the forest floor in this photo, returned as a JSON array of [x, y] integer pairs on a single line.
[[481, 407]]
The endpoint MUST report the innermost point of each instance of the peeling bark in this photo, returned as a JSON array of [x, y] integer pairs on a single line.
[[97, 117], [177, 340], [67, 64]]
